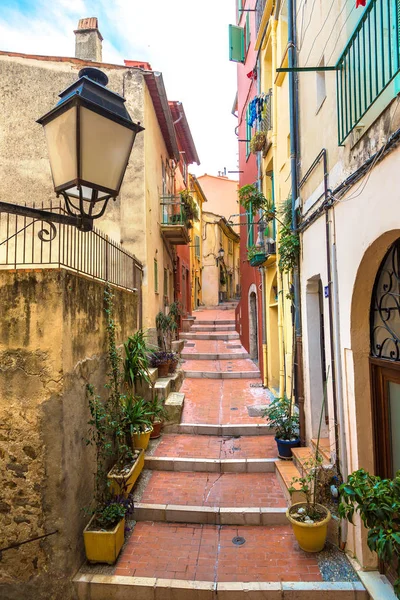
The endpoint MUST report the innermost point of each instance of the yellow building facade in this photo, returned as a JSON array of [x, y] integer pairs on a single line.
[[274, 177]]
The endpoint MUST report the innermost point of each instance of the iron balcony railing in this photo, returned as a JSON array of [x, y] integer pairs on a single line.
[[368, 64], [26, 243], [266, 122], [173, 211], [260, 5]]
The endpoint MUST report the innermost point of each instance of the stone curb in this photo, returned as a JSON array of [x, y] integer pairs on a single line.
[[210, 356], [105, 587], [216, 323], [210, 515], [222, 374], [209, 336], [220, 430], [211, 465]]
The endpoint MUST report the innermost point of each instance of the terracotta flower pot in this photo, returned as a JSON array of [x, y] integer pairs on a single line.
[[157, 426], [163, 369]]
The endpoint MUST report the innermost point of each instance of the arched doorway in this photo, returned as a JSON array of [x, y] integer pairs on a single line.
[[253, 326], [385, 363]]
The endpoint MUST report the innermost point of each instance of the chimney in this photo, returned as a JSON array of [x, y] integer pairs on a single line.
[[88, 40]]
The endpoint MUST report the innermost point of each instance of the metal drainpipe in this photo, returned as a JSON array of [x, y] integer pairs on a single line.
[[264, 328], [294, 128], [344, 468]]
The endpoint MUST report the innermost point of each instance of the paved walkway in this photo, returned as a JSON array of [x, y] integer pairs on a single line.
[[250, 504]]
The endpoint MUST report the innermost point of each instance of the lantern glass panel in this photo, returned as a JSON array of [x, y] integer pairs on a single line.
[[87, 193], [105, 149], [61, 142]]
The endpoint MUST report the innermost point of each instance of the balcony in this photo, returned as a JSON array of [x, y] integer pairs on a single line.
[[368, 64], [175, 220], [258, 255]]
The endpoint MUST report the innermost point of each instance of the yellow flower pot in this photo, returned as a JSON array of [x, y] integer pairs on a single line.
[[123, 484], [141, 440], [103, 546], [311, 537]]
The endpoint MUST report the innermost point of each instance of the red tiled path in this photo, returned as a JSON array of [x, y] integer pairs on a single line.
[[214, 347], [211, 400], [214, 314], [206, 553], [214, 489], [210, 446]]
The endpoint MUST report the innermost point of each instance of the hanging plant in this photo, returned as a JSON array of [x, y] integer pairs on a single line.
[[289, 248], [253, 200], [257, 142], [190, 208]]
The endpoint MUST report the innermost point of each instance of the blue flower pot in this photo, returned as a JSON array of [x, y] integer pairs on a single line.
[[285, 447]]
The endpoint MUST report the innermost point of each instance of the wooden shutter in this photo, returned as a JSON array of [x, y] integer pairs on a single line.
[[236, 43]]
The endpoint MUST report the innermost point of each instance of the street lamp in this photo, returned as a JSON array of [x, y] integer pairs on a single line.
[[221, 254], [90, 136]]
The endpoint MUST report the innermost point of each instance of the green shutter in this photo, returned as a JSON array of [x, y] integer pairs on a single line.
[[240, 6], [155, 276], [247, 35], [236, 43]]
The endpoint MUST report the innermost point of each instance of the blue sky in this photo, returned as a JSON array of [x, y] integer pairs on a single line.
[[186, 40]]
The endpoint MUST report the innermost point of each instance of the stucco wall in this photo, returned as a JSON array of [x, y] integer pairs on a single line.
[[52, 343], [222, 198]]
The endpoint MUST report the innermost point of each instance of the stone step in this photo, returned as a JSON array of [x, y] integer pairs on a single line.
[[211, 356], [173, 407], [220, 430], [200, 328], [302, 455], [210, 515], [221, 322], [214, 447], [210, 465], [324, 447], [105, 587], [210, 336], [162, 387], [286, 470], [211, 490], [222, 374]]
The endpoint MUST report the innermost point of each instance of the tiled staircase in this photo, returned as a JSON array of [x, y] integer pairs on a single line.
[[209, 507]]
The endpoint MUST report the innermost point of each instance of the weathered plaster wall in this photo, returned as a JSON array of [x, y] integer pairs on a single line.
[[52, 343]]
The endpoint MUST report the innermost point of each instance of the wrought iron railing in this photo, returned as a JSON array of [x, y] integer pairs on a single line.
[[26, 243], [173, 211], [368, 63], [260, 5], [266, 122]]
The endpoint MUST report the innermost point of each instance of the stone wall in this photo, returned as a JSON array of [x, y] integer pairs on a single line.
[[52, 343]]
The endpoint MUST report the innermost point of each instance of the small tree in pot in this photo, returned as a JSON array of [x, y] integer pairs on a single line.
[[285, 420]]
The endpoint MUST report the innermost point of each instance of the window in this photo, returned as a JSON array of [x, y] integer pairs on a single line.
[[236, 43], [230, 247], [155, 276], [321, 87], [197, 246], [165, 283]]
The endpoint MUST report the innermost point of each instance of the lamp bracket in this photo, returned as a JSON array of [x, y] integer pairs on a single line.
[[82, 223]]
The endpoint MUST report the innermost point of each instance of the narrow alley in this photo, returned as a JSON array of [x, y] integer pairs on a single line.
[[209, 506]]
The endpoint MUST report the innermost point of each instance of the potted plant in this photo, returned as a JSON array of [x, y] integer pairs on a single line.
[[253, 200], [166, 327], [285, 420], [137, 421], [257, 142], [256, 255], [158, 414], [136, 362], [309, 519], [160, 359], [173, 362], [105, 533], [378, 503]]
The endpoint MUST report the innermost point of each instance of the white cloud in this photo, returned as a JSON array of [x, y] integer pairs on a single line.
[[184, 39]]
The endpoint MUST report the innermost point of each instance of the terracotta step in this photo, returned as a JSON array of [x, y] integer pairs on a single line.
[[302, 455], [222, 490], [324, 447], [285, 472], [210, 336]]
